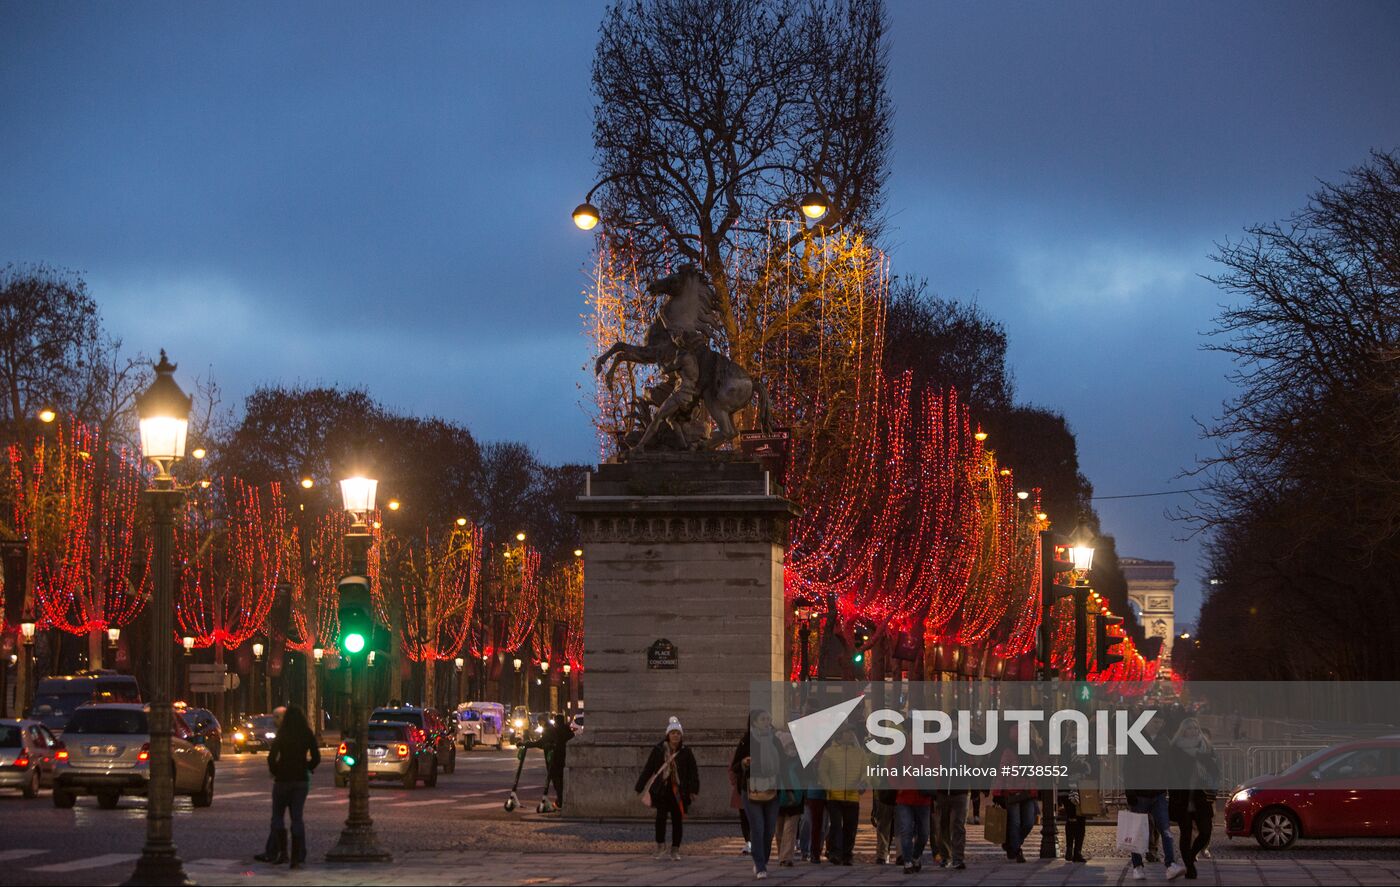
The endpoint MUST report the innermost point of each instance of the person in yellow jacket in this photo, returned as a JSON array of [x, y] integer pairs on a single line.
[[843, 777]]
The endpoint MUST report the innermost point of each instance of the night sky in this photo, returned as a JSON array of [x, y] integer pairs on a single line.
[[377, 195]]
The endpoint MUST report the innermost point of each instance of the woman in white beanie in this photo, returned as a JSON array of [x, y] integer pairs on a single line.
[[668, 782]]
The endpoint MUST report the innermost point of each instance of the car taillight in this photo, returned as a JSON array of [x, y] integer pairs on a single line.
[[60, 753], [145, 753], [22, 762], [403, 750], [343, 749]]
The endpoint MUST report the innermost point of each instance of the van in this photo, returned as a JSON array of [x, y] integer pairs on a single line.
[[493, 721], [55, 699]]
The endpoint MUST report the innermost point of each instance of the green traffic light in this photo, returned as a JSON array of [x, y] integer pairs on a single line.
[[860, 657], [348, 759], [353, 642]]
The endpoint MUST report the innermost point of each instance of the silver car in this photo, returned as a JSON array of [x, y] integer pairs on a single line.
[[28, 754], [109, 749], [394, 754]]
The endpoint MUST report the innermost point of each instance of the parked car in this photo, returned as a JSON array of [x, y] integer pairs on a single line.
[[109, 749], [493, 722], [29, 752], [436, 734], [203, 724], [254, 734], [397, 750], [1350, 790], [55, 699]]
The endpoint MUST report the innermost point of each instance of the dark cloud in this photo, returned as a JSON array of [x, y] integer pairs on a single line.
[[377, 194]]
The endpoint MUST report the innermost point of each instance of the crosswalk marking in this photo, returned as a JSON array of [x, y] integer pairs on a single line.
[[11, 855], [229, 796], [421, 803], [92, 862]]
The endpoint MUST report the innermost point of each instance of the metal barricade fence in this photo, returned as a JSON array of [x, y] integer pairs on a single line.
[[1237, 765]]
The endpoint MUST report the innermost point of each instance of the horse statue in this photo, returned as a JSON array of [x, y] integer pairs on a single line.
[[678, 341]]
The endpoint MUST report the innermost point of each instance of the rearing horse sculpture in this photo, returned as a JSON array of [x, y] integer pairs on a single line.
[[677, 341]]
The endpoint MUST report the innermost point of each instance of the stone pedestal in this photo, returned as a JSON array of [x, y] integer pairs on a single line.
[[687, 549]]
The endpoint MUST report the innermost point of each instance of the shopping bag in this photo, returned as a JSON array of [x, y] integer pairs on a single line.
[[1090, 800], [994, 824], [1132, 831]]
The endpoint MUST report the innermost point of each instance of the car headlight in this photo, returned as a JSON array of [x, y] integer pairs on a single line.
[[270, 735], [519, 724], [1241, 796], [539, 728], [238, 737]]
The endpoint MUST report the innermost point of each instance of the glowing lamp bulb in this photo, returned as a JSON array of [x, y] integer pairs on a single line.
[[586, 216]]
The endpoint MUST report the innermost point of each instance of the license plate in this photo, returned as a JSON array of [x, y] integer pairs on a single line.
[[377, 752]]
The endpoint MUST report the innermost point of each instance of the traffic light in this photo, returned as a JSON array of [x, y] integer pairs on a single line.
[[1055, 559], [1104, 642], [1083, 692], [356, 615]]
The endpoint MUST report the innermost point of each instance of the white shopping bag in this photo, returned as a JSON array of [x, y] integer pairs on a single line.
[[1132, 831]]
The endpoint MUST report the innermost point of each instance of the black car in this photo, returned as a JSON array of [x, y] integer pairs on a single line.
[[206, 728], [254, 734]]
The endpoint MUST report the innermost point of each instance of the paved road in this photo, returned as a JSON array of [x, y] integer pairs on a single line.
[[459, 833], [85, 845]]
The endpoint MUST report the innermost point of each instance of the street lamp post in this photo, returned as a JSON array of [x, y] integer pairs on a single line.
[[26, 694], [1081, 553], [257, 663], [460, 664], [804, 634], [164, 414], [358, 842], [314, 695]]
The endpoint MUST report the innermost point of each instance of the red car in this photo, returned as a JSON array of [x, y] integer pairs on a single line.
[[1346, 791]]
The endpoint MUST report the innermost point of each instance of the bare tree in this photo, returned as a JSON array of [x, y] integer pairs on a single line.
[[1303, 502], [55, 355], [714, 116]]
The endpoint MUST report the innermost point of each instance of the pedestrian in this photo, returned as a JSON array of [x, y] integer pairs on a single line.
[[883, 806], [290, 760], [1144, 780], [1072, 807], [758, 762], [949, 817], [811, 838], [791, 802], [670, 781], [977, 805], [736, 797], [911, 809], [1195, 772], [562, 733], [1017, 794], [843, 777]]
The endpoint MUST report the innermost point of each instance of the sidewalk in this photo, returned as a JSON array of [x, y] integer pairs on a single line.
[[478, 869]]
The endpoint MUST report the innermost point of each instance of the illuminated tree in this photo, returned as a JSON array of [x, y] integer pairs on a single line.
[[436, 580], [231, 555], [75, 498]]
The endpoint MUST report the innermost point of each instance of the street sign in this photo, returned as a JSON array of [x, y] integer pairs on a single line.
[[207, 678], [662, 655]]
